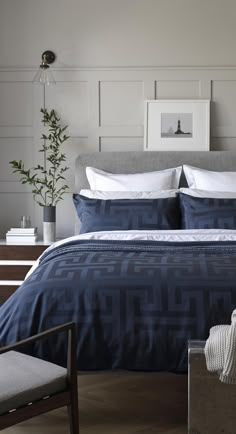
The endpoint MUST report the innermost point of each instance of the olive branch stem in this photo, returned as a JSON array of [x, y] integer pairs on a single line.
[[44, 181]]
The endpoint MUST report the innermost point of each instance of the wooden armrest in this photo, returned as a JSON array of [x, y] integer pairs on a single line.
[[68, 327]]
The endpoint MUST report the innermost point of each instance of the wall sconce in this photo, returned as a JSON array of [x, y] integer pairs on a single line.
[[44, 74]]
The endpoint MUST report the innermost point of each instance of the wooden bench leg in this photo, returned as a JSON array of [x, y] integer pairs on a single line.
[[73, 413]]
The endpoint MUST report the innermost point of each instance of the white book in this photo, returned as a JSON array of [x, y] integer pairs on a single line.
[[21, 235], [18, 238], [9, 234], [23, 230], [24, 237]]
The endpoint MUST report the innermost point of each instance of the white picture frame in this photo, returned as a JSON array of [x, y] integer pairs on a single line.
[[177, 125]]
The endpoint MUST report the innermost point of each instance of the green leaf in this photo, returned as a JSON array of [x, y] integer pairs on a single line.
[[44, 178]]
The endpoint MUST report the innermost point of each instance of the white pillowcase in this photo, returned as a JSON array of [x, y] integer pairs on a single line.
[[147, 181], [207, 180], [209, 193], [106, 195]]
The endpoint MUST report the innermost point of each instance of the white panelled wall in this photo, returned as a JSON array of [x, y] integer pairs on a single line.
[[103, 76]]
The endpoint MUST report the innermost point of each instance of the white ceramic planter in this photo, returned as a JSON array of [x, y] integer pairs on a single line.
[[49, 224]]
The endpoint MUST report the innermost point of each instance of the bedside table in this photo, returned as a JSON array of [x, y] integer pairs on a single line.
[[15, 262]]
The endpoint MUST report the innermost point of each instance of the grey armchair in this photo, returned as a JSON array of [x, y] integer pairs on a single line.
[[30, 386]]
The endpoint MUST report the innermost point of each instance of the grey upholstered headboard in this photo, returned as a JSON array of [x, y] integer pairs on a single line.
[[131, 162]]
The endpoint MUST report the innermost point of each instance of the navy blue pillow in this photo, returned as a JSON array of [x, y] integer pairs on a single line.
[[207, 213], [127, 214]]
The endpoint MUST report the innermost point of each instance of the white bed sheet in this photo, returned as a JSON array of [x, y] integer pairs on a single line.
[[178, 235]]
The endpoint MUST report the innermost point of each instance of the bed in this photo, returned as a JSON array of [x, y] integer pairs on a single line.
[[137, 297]]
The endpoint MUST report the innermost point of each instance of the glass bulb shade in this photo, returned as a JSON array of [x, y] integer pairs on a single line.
[[44, 76]]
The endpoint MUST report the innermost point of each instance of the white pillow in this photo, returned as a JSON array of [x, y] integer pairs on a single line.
[[207, 180], [209, 193], [106, 195], [147, 181]]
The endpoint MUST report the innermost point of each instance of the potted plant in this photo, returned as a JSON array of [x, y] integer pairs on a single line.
[[47, 180]]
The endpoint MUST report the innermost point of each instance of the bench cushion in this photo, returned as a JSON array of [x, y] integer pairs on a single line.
[[25, 379]]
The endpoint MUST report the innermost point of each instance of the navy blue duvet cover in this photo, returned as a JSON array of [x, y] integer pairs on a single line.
[[136, 303]]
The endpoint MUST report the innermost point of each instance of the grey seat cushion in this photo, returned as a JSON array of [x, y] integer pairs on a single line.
[[24, 379]]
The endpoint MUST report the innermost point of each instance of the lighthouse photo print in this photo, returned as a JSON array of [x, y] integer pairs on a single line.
[[178, 125]]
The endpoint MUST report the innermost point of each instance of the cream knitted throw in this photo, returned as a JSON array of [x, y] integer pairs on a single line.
[[220, 351]]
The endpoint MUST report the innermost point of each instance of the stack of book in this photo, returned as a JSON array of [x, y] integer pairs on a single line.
[[22, 235]]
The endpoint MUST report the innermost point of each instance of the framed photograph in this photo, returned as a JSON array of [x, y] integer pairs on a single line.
[[177, 125]]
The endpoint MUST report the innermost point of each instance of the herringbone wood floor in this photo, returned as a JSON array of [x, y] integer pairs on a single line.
[[121, 403]]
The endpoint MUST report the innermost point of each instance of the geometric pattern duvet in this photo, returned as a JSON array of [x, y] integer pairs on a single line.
[[135, 303]]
